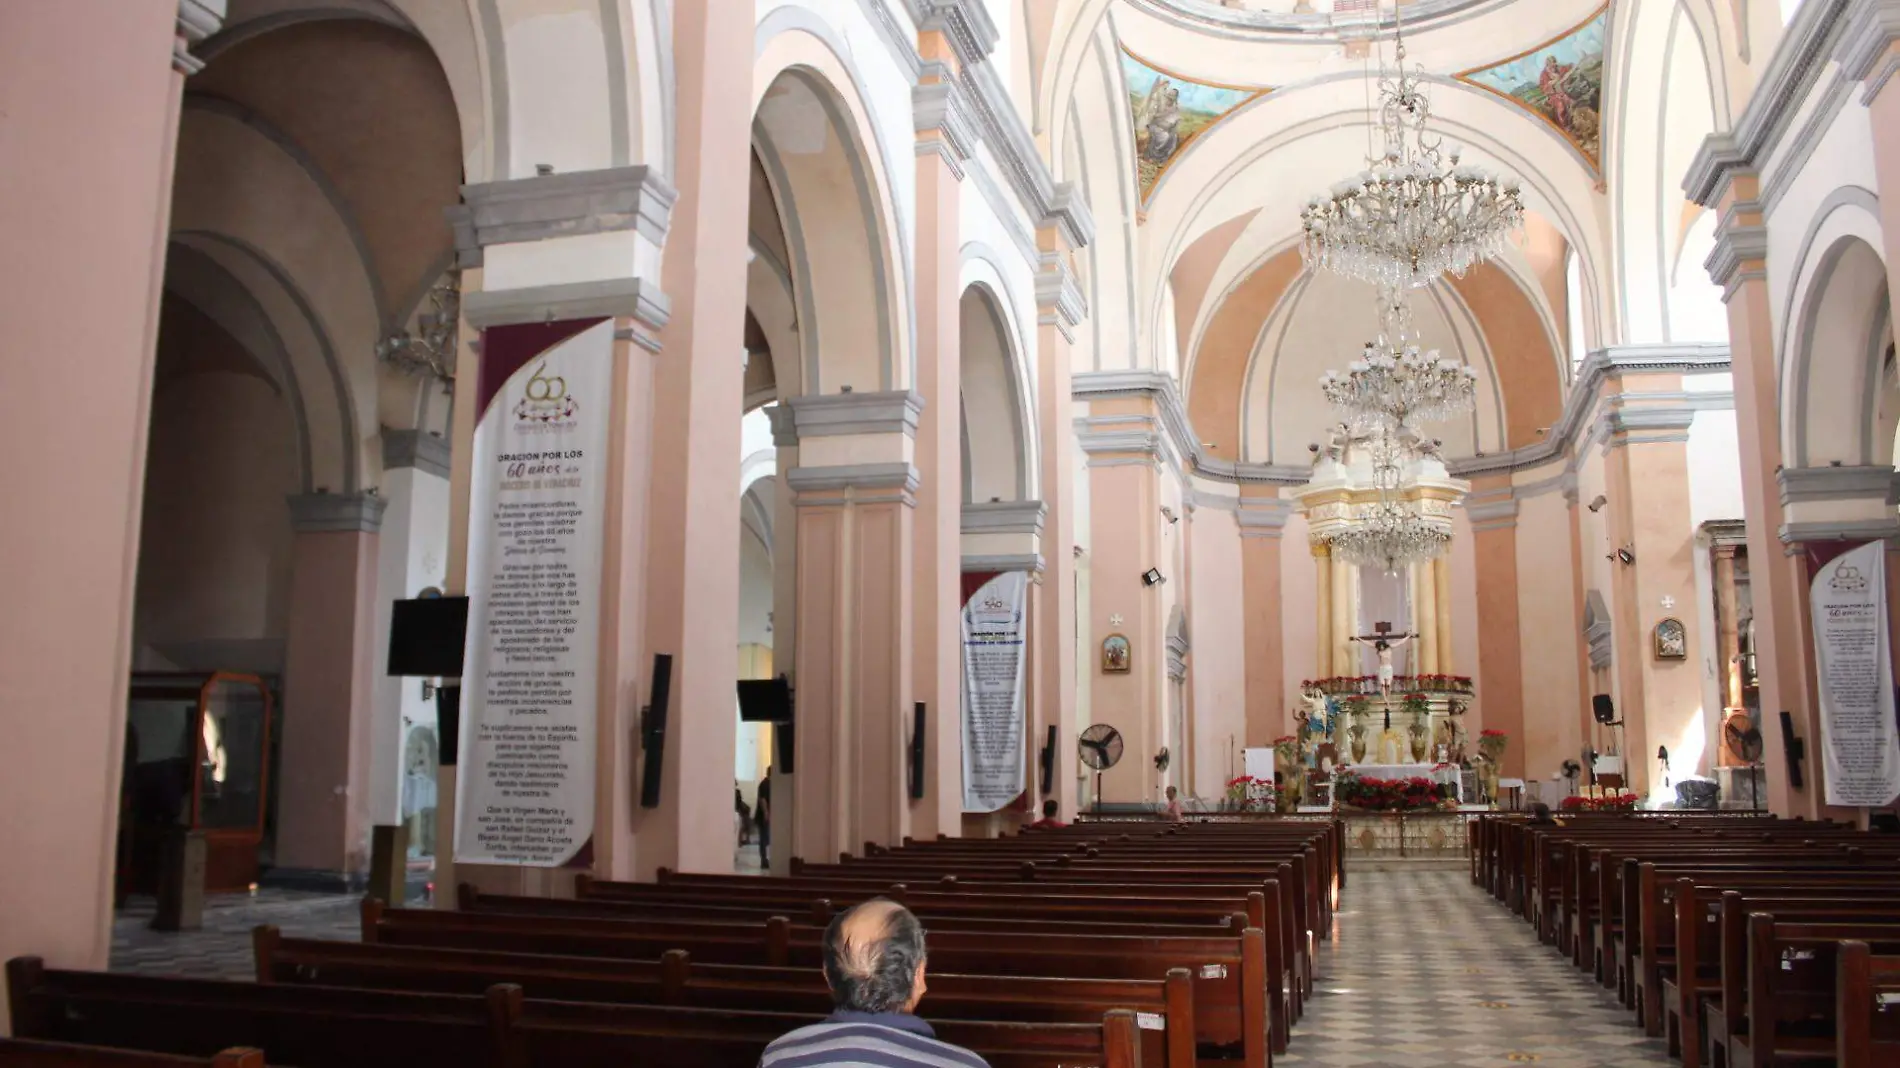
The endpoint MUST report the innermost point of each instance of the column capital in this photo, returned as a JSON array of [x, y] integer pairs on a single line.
[[1740, 256], [578, 203], [1059, 298], [944, 123], [1263, 517], [336, 513], [784, 425], [838, 484], [197, 20], [414, 448], [1322, 550], [1069, 225], [634, 298], [1867, 51], [835, 414], [1003, 517]]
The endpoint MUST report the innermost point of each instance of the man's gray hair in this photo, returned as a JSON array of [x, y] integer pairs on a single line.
[[871, 963]]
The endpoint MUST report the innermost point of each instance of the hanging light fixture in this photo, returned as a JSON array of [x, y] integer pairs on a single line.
[[1390, 535], [1417, 211], [1394, 384], [430, 351]]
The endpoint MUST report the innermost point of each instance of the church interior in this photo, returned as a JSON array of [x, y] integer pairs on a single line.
[[1364, 529]]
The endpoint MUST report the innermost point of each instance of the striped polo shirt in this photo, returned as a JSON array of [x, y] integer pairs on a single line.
[[872, 1039]]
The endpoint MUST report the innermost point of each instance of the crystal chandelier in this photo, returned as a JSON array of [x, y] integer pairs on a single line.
[[1394, 384], [430, 351], [1390, 535], [1416, 212]]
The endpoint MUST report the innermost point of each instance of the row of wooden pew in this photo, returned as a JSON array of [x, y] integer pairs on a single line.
[[1086, 947], [1746, 941]]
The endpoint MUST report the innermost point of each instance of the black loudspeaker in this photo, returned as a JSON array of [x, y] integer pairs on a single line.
[[917, 752], [1793, 748], [653, 731], [448, 723], [784, 743], [1049, 762], [1603, 708]]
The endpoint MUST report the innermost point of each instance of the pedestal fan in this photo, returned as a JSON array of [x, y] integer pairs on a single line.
[[1100, 746]]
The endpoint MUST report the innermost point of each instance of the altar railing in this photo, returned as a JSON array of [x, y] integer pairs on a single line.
[[1368, 685]]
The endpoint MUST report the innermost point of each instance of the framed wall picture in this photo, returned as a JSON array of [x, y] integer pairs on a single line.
[[1117, 656], [1672, 641]]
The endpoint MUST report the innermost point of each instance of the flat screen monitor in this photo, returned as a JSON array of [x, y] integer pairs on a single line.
[[426, 637], [765, 701]]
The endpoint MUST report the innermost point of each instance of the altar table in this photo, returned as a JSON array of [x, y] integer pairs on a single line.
[[1449, 774]]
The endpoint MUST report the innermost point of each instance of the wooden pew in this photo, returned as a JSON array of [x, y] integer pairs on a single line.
[[1792, 971], [1164, 1010], [1234, 996], [28, 1053], [327, 1027], [1867, 1009]]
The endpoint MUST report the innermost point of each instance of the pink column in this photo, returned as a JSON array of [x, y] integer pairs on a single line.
[[939, 450], [92, 89], [1124, 513], [1262, 517], [323, 790], [1500, 649], [692, 564], [1739, 266], [1054, 634], [853, 667]]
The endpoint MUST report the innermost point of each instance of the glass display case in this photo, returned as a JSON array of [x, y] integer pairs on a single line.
[[197, 759]]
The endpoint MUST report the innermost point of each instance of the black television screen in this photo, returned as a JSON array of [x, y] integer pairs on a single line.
[[426, 636], [765, 701]]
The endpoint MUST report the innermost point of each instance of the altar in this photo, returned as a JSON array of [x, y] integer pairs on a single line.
[[1446, 774]]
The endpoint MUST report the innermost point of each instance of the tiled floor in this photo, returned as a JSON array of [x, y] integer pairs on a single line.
[[1424, 971], [1427, 971]]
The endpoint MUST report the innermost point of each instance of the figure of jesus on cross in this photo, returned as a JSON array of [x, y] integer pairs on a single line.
[[1383, 641]]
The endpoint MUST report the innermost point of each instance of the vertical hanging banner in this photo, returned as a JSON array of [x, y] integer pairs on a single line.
[[1858, 738], [537, 500], [993, 711]]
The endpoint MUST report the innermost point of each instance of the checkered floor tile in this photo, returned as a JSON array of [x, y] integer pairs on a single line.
[[1426, 971]]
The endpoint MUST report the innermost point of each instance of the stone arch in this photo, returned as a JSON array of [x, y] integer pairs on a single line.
[[1836, 346], [832, 186], [992, 413]]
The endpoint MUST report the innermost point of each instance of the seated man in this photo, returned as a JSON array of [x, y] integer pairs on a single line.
[[874, 964], [1048, 820]]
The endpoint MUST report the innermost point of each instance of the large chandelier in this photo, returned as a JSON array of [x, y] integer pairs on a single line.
[[1390, 534], [1416, 211], [1394, 383]]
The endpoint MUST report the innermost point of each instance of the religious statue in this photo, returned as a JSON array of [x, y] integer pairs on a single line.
[[1356, 737], [1338, 439], [1383, 642]]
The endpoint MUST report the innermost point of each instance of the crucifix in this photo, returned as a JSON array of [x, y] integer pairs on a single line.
[[1383, 641]]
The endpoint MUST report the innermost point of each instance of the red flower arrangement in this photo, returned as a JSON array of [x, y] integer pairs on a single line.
[[1622, 802], [1391, 795], [1488, 733]]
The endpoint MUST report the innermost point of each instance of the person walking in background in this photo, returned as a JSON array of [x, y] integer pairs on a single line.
[[762, 813]]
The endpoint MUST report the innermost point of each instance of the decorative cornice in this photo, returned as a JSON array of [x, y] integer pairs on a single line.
[[837, 414], [1807, 485], [1597, 629], [197, 20], [784, 425], [1601, 366], [561, 205], [1740, 253], [336, 513], [973, 35], [1839, 530], [1263, 517], [1031, 562], [943, 122], [1779, 94], [1003, 517], [414, 448], [1058, 296], [636, 298], [1723, 532], [886, 483], [1871, 29]]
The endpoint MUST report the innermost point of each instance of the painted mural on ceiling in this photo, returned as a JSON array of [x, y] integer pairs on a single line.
[[1169, 111], [1560, 81]]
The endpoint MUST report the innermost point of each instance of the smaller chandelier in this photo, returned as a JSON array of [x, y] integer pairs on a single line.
[[1390, 535], [1394, 383], [1416, 211], [430, 352]]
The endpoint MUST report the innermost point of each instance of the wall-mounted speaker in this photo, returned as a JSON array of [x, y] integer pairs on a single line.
[[1793, 748], [917, 752], [784, 743], [653, 730], [1603, 709], [1048, 761], [448, 723]]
